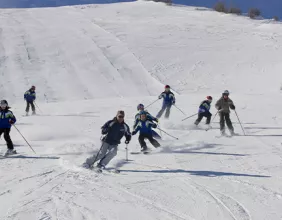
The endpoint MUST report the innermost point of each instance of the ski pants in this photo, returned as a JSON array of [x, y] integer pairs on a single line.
[[142, 142], [105, 155], [7, 137], [156, 135], [204, 114], [225, 117], [28, 104], [166, 107]]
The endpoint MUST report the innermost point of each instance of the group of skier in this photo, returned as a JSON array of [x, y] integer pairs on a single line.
[[115, 129], [7, 118]]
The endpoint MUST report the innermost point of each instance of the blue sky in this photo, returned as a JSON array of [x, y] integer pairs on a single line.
[[269, 8]]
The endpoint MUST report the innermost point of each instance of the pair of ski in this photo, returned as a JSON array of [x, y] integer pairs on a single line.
[[226, 135], [101, 170]]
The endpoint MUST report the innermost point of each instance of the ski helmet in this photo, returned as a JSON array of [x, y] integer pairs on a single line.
[[140, 107], [3, 104], [226, 92], [209, 97], [167, 87]]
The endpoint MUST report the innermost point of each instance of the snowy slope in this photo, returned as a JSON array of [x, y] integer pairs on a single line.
[[90, 61]]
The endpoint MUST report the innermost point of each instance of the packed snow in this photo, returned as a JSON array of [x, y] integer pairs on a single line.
[[90, 61]]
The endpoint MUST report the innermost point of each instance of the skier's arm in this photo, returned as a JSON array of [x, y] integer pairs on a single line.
[[12, 118], [127, 134], [173, 98], [138, 127], [218, 104], [153, 125], [161, 95], [231, 104], [105, 127]]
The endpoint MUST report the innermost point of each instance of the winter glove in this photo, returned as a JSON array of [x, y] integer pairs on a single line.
[[232, 107], [160, 97], [133, 133], [126, 141], [104, 130], [154, 126], [157, 120], [173, 102], [11, 122]]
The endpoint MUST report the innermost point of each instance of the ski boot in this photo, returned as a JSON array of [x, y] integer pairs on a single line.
[[10, 152]]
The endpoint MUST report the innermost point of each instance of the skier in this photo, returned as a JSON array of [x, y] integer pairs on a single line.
[[145, 127], [113, 130], [30, 97], [7, 119], [168, 101], [204, 111], [151, 118], [223, 105]]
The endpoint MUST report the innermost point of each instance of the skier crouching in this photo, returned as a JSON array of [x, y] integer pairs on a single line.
[[204, 111], [7, 119], [145, 126], [114, 130]]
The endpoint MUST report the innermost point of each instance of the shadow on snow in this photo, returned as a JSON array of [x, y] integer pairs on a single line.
[[197, 173]]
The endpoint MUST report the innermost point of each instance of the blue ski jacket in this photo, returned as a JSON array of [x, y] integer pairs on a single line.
[[149, 117], [7, 118], [168, 98], [115, 131], [30, 95], [204, 106], [145, 127]]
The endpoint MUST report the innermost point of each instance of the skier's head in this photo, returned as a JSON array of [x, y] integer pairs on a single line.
[[225, 94], [3, 104], [209, 98], [167, 88], [120, 116], [143, 115], [32, 88], [140, 107]]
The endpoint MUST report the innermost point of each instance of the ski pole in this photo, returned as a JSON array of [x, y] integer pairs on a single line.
[[98, 154], [24, 138], [215, 116], [126, 149], [240, 123], [151, 103], [179, 109], [37, 107], [189, 117], [168, 134]]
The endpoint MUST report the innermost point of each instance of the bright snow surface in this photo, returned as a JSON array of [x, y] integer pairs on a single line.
[[89, 61]]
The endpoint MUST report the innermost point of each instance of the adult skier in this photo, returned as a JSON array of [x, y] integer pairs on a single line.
[[168, 101], [223, 105], [204, 111], [30, 97], [151, 118], [145, 126], [7, 119], [114, 130]]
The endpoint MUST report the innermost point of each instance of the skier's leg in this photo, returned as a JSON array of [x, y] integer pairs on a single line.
[[27, 107], [8, 138], [32, 107], [167, 112], [153, 141], [1, 131], [229, 123], [161, 111], [209, 115], [142, 142], [112, 152], [222, 122], [91, 160], [199, 119]]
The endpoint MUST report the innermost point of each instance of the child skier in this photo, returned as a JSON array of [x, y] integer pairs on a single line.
[[204, 111], [145, 127], [7, 119], [30, 97], [223, 105], [151, 118], [168, 101], [114, 130]]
